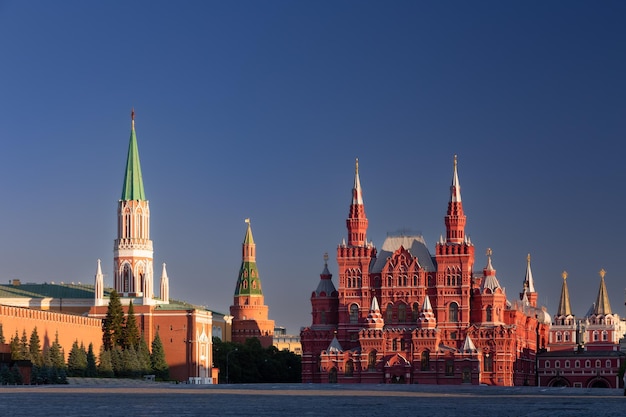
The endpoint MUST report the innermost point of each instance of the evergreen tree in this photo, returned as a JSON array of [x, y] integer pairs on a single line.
[[6, 377], [2, 335], [130, 363], [113, 323], [143, 354], [35, 348], [131, 333], [105, 365], [159, 364], [15, 347], [15, 372], [54, 356], [77, 360], [24, 351], [91, 370]]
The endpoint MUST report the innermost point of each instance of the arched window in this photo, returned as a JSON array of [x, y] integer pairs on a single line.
[[415, 312], [595, 336], [598, 363], [371, 360], [415, 280], [349, 369], [402, 313], [389, 281], [558, 336], [567, 364], [402, 344], [605, 335], [389, 313], [394, 344], [489, 313], [425, 360], [607, 364], [126, 278], [557, 364], [453, 312], [577, 364], [354, 313], [323, 317], [488, 363], [587, 363], [566, 336]]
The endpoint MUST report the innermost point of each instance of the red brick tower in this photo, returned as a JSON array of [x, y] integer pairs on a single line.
[[455, 259], [354, 259], [250, 314]]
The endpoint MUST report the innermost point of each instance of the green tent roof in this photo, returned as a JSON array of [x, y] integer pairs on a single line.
[[133, 183]]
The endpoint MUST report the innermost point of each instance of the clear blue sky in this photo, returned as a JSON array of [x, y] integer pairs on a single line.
[[259, 108]]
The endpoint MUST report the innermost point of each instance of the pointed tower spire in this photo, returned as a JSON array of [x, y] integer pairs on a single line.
[[99, 286], [455, 217], [133, 182], [603, 306], [165, 286], [250, 314], [490, 281], [565, 309], [132, 255], [357, 221], [528, 291]]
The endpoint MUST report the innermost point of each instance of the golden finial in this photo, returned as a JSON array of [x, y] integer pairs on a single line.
[[455, 160], [132, 118], [564, 275], [489, 251], [602, 273], [247, 220], [528, 258], [325, 258], [357, 166]]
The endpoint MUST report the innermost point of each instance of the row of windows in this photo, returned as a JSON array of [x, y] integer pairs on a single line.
[[598, 363], [453, 313]]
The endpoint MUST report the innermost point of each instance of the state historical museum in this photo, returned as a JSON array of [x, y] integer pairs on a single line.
[[403, 315]]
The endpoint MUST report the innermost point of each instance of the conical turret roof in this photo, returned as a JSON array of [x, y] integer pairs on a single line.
[[603, 306], [565, 309], [133, 182]]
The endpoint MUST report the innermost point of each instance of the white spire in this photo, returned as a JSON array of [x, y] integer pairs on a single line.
[[530, 283], [334, 345], [99, 286], [468, 346], [357, 194], [427, 306], [374, 306], [165, 286], [455, 188]]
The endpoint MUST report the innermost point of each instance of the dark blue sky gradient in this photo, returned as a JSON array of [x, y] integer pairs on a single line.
[[259, 109]]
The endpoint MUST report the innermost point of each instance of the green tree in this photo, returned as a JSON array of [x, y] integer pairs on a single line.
[[24, 351], [2, 335], [159, 364], [105, 365], [77, 360], [15, 347], [54, 356], [113, 323], [143, 355], [130, 332], [92, 369], [35, 348]]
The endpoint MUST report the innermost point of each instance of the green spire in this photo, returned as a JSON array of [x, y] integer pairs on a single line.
[[133, 183], [248, 281]]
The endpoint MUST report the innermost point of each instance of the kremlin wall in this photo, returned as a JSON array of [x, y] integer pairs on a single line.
[[399, 314]]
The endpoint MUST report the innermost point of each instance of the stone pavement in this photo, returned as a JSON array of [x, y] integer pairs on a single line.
[[96, 398]]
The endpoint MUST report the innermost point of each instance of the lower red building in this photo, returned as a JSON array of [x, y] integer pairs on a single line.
[[404, 315]]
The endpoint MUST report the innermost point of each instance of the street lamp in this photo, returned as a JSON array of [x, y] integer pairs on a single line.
[[227, 363]]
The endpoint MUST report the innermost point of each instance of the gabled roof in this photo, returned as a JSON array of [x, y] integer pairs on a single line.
[[414, 244], [334, 345]]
